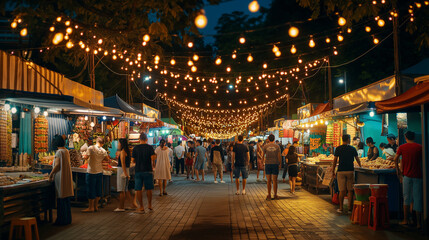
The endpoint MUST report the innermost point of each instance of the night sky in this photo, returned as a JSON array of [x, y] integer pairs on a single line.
[[214, 12]]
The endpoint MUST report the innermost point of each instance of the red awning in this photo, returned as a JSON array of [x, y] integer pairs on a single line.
[[323, 107], [415, 96]]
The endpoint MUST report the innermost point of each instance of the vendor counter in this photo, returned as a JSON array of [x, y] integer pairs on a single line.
[[313, 174], [382, 176], [26, 200]]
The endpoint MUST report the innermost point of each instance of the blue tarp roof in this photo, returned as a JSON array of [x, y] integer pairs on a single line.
[[117, 102], [421, 68]]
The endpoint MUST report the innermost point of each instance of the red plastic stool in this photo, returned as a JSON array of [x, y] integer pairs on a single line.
[[378, 217], [360, 213]]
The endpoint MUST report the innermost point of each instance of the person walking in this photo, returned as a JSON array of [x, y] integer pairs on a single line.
[[240, 161], [229, 160], [292, 160], [179, 155], [285, 166], [411, 175], [252, 155], [200, 160], [345, 155], [162, 168], [190, 160], [171, 158], [144, 157], [260, 160], [273, 163], [95, 156], [216, 158], [123, 174], [61, 174]]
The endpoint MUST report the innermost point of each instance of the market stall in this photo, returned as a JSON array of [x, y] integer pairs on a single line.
[[313, 171]]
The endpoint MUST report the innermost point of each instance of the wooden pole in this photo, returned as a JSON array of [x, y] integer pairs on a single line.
[[330, 83]]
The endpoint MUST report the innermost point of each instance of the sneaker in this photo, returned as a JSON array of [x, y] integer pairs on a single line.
[[216, 181], [237, 193], [243, 192], [258, 180], [119, 210], [339, 211], [222, 181]]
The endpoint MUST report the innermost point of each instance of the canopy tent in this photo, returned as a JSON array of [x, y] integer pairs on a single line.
[[421, 68], [323, 107], [131, 112], [408, 101]]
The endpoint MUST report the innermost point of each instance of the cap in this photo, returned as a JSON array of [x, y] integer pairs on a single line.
[[390, 135]]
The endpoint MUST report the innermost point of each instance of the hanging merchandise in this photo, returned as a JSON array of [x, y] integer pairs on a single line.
[[40, 134], [83, 128], [6, 139], [330, 134], [351, 130], [337, 134]]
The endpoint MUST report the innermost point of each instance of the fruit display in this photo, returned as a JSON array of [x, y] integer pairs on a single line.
[[6, 139], [46, 158], [40, 134], [378, 163], [83, 128], [75, 158], [320, 158], [7, 180]]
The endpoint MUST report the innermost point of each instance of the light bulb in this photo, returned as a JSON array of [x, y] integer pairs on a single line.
[[58, 19], [340, 38], [371, 114], [376, 41], [58, 37], [114, 57], [195, 57], [328, 40], [86, 118], [381, 22], [250, 58], [278, 54], [104, 117], [69, 30], [146, 38], [293, 31], [264, 65], [13, 24], [228, 69], [293, 49], [201, 21], [275, 49], [349, 30], [92, 124], [7, 107], [14, 110], [45, 113], [368, 29], [234, 56], [190, 44], [311, 43], [190, 63], [36, 110], [172, 61], [218, 61], [193, 69], [52, 29], [242, 40], [69, 44], [342, 21], [23, 32], [157, 58], [254, 6]]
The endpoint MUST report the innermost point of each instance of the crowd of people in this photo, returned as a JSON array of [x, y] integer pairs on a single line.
[[144, 166]]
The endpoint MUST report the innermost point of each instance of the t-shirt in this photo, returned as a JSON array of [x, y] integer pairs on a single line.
[[394, 147], [240, 151], [96, 156], [272, 153], [142, 155], [292, 159], [346, 155], [178, 151], [201, 151], [251, 151], [216, 153], [411, 159], [389, 153]]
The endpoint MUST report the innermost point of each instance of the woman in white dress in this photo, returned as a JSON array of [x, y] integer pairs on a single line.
[[162, 168], [61, 174]]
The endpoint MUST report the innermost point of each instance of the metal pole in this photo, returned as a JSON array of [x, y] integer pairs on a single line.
[[288, 107], [345, 82], [330, 83], [425, 165], [396, 55]]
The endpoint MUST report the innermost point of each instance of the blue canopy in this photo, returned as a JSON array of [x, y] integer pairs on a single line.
[[118, 103]]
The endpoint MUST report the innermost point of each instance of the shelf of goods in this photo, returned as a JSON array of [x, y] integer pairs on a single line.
[[313, 171], [25, 194], [5, 137], [134, 138], [40, 134], [381, 171], [83, 128]]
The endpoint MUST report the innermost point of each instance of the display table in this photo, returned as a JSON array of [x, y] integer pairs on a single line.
[[382, 176], [26, 200], [79, 178], [313, 173]]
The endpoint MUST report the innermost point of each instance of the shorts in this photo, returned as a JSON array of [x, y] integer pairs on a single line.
[[345, 180], [243, 170], [94, 185], [272, 169], [199, 164], [413, 193], [293, 171], [121, 180], [217, 167], [229, 167], [144, 178], [189, 162]]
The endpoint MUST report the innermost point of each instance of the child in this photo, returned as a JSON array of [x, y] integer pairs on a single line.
[[387, 151]]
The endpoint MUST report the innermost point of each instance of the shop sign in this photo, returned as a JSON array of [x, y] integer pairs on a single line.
[[150, 111]]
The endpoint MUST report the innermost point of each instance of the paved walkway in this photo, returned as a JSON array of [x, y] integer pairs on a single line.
[[205, 210]]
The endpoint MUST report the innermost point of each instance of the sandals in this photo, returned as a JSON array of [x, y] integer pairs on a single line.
[[165, 193], [268, 197]]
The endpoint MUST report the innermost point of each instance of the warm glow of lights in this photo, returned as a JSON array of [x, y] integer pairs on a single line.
[[195, 57], [96, 52], [265, 66], [342, 21], [52, 29], [201, 21], [146, 38], [114, 57], [13, 24], [349, 30], [293, 31], [228, 69], [190, 44], [312, 43], [69, 44], [299, 60], [58, 19], [23, 32], [172, 61], [278, 54], [368, 29], [340, 38], [190, 63], [327, 40], [381, 23], [218, 61], [293, 49], [69, 30], [275, 49], [242, 40], [253, 6], [157, 58], [58, 37], [87, 49], [193, 69], [376, 41], [67, 23], [249, 58]]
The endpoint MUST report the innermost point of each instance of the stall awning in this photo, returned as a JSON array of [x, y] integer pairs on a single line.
[[410, 99], [323, 107], [117, 102]]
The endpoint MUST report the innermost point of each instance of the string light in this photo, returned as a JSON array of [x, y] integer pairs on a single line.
[[250, 58], [193, 69], [278, 54], [201, 20], [234, 56], [340, 38], [69, 44], [312, 43], [293, 31], [172, 61], [368, 29], [275, 49], [376, 41], [195, 57], [253, 6], [58, 19], [228, 69], [23, 32], [218, 61], [349, 30], [293, 49], [327, 40], [242, 40], [146, 38], [190, 44], [13, 24], [265, 66], [380, 23], [190, 63], [342, 21], [58, 37]]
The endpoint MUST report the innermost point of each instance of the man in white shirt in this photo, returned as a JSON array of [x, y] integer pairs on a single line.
[[94, 157], [179, 156]]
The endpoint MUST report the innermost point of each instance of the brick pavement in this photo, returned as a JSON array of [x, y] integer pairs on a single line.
[[212, 211]]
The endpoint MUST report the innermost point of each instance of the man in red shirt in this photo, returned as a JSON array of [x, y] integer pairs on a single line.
[[410, 173]]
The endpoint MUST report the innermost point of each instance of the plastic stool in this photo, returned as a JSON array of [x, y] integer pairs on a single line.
[[360, 213], [27, 223], [378, 217]]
